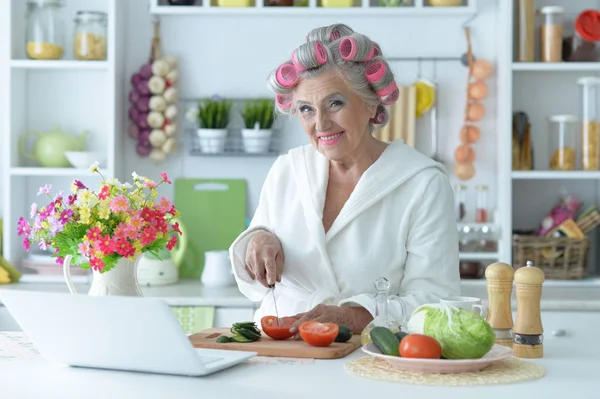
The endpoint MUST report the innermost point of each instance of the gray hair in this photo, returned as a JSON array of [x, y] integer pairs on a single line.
[[357, 59]]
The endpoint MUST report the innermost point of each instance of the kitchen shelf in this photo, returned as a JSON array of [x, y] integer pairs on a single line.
[[59, 64], [37, 171], [556, 66], [418, 10], [554, 175], [465, 256]]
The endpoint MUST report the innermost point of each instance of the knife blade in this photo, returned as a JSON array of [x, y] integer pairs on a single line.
[[275, 303]]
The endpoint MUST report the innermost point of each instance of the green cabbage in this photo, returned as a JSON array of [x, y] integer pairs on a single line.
[[462, 334]]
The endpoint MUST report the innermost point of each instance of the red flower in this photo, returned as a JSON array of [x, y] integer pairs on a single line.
[[147, 236], [104, 193], [165, 178], [124, 248], [94, 234], [176, 228], [171, 243], [96, 264]]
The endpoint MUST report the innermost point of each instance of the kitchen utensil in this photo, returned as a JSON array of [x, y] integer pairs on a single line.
[[214, 213], [164, 269], [275, 302], [433, 115], [443, 366], [499, 282], [50, 147], [84, 159], [217, 270], [465, 302], [528, 339], [266, 346]]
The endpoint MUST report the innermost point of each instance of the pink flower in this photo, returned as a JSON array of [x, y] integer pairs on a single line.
[[121, 231], [94, 234], [124, 248], [104, 193], [171, 243], [23, 227], [79, 185], [45, 189], [72, 199], [150, 184], [65, 216], [105, 245], [60, 260], [147, 236], [164, 205], [176, 228], [85, 248], [119, 204], [26, 244], [165, 178], [96, 264], [136, 222]]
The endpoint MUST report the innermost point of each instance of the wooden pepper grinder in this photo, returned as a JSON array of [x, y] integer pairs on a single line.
[[499, 281], [528, 340]]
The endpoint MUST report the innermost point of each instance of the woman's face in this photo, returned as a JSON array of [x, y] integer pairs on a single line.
[[335, 117]]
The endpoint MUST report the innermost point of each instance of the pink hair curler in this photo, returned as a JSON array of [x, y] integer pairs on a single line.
[[375, 72], [334, 35], [286, 75], [296, 64], [320, 53], [348, 48], [392, 98], [284, 102], [376, 52], [379, 118], [386, 91], [371, 54]]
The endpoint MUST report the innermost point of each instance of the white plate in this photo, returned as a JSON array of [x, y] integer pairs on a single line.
[[443, 366]]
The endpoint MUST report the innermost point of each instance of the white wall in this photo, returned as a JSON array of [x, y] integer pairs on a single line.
[[214, 59]]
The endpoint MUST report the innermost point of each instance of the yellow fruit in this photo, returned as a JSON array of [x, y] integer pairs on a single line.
[[425, 97], [4, 277]]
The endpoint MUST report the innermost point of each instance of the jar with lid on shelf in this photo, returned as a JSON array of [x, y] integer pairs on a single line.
[[460, 202], [563, 136], [45, 30], [481, 204], [590, 123], [90, 35], [585, 44], [551, 33]]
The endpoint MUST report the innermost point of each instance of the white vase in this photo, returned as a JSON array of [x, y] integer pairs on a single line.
[[212, 141], [256, 141], [121, 280]]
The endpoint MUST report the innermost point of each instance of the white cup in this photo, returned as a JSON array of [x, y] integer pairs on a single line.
[[469, 303]]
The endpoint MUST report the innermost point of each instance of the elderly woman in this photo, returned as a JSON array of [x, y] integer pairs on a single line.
[[338, 213]]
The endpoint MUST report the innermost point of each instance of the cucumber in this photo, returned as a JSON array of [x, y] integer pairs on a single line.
[[223, 339], [241, 338], [400, 335], [344, 334], [385, 340]]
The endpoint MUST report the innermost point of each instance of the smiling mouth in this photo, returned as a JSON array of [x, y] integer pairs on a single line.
[[331, 137]]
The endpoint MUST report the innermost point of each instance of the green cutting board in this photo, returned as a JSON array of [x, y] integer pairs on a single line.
[[213, 212]]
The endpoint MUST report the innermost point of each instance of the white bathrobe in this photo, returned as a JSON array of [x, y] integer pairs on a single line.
[[398, 223]]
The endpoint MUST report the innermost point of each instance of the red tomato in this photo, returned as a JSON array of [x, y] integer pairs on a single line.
[[318, 334], [420, 346], [277, 331]]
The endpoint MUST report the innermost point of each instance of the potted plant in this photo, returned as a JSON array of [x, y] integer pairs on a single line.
[[213, 118], [106, 230], [258, 117]]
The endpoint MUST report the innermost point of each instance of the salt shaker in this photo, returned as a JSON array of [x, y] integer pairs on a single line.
[[528, 339], [499, 282]]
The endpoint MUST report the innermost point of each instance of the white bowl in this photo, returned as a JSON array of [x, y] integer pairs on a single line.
[[83, 159]]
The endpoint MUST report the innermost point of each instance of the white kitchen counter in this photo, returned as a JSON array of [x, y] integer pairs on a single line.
[[572, 363], [555, 296]]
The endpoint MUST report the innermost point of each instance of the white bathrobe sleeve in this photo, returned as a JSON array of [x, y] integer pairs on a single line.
[[253, 290], [431, 269]]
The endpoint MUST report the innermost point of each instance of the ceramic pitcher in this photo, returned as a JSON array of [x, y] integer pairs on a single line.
[[121, 280]]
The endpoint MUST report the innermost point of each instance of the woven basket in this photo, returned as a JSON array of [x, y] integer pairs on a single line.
[[559, 258]]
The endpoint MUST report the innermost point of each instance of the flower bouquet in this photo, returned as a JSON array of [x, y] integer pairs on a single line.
[[97, 229]]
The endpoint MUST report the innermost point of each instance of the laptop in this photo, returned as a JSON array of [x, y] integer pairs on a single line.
[[113, 332]]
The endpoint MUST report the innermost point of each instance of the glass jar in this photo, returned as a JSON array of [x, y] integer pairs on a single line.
[[460, 202], [90, 35], [563, 136], [382, 317], [551, 34], [590, 121], [526, 36], [586, 38], [481, 204], [45, 30]]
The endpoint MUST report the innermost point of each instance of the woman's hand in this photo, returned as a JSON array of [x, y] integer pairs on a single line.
[[264, 259], [355, 318]]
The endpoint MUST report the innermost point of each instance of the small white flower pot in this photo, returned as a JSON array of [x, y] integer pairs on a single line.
[[256, 141], [212, 141]]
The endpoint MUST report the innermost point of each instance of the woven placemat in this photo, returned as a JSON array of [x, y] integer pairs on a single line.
[[503, 372]]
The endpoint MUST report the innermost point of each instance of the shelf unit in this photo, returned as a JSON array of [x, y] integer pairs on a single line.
[[540, 90], [39, 94], [420, 8]]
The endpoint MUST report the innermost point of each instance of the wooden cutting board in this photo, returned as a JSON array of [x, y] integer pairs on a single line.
[[270, 347]]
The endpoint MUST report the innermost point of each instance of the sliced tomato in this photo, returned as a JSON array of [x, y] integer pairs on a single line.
[[276, 330], [318, 334], [420, 346]]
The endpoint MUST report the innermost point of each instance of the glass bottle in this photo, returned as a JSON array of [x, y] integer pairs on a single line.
[[90, 35], [45, 30], [563, 142], [481, 204], [460, 201], [551, 34], [590, 131], [526, 11], [382, 318]]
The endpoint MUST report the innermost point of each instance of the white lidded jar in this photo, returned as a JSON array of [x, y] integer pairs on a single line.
[[551, 33], [563, 142], [45, 30], [90, 35], [590, 130]]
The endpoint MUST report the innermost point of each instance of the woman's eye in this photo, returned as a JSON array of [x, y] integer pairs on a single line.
[[304, 108], [336, 103]]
